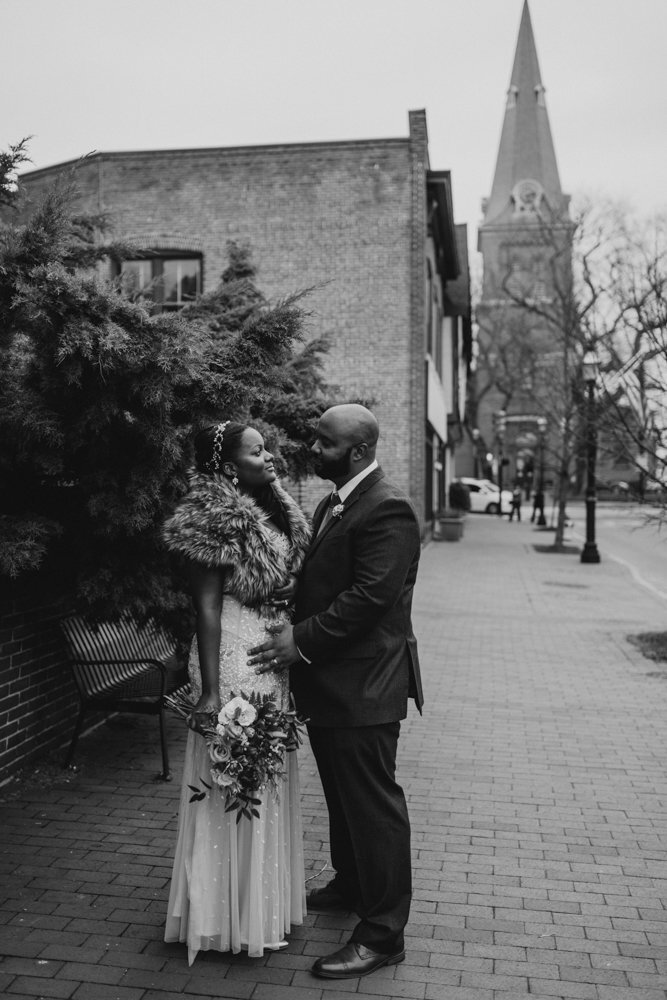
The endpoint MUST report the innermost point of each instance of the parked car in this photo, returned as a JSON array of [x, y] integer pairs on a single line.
[[484, 496], [606, 489]]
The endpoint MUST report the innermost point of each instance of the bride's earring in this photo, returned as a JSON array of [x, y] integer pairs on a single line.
[[235, 481]]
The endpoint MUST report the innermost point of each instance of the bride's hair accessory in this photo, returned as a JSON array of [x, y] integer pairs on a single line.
[[218, 436]]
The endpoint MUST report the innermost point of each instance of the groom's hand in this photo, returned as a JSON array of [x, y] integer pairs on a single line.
[[285, 595], [276, 653]]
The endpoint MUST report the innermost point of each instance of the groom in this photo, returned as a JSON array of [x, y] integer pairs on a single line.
[[354, 666]]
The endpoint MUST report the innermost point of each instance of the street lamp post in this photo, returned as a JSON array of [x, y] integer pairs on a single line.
[[589, 553], [500, 434], [475, 446], [542, 430]]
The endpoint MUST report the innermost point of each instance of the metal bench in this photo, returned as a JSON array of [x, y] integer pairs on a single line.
[[121, 667]]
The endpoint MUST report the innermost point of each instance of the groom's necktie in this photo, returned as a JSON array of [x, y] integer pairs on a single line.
[[334, 499]]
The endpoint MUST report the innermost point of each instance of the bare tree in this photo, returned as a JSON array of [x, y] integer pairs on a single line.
[[532, 336], [557, 280], [635, 380], [598, 282]]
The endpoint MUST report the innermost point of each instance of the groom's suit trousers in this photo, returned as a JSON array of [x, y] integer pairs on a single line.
[[369, 829]]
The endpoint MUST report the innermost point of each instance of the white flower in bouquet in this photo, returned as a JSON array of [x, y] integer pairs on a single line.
[[237, 710]]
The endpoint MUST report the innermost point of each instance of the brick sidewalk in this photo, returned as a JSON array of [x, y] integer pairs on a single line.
[[536, 785]]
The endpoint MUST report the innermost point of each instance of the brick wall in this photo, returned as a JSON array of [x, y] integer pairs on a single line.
[[38, 700], [333, 217], [416, 428]]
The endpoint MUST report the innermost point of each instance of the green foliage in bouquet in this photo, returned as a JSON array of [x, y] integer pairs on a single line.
[[247, 742]]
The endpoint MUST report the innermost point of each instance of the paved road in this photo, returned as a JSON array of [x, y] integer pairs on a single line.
[[631, 534], [537, 788]]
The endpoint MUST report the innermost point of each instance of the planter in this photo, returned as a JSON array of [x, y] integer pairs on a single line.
[[451, 527]]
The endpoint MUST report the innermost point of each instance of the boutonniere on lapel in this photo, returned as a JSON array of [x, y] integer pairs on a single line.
[[338, 511]]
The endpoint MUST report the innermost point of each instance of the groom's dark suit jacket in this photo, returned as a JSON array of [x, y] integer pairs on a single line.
[[353, 611]]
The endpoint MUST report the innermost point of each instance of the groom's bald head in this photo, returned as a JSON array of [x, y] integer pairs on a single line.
[[354, 422], [345, 443]]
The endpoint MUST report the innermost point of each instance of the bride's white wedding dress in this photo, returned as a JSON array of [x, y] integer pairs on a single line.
[[236, 886]]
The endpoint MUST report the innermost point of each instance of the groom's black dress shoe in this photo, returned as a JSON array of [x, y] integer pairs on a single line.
[[325, 900], [354, 960]]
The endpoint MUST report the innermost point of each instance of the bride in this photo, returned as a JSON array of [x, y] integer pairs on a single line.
[[235, 886]]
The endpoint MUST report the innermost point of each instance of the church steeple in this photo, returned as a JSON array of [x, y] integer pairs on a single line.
[[526, 169]]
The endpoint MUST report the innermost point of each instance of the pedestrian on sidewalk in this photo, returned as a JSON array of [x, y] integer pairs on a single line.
[[354, 667], [538, 507], [516, 503]]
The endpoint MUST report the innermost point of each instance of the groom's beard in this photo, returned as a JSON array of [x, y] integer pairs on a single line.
[[335, 468]]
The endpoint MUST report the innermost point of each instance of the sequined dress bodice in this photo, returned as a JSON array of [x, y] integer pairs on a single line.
[[241, 628]]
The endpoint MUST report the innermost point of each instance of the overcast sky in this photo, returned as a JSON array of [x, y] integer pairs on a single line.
[[82, 75]]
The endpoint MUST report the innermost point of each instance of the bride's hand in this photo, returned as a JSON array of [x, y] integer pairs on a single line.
[[282, 596], [207, 704]]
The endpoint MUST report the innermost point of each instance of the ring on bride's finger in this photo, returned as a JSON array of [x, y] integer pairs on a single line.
[[274, 662]]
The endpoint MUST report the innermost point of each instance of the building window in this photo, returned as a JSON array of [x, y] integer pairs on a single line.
[[429, 492], [171, 282], [429, 309], [438, 341]]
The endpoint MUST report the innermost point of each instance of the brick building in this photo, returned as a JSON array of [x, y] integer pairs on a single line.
[[370, 228], [366, 224]]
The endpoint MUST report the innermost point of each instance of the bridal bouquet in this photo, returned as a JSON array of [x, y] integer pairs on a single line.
[[246, 741]]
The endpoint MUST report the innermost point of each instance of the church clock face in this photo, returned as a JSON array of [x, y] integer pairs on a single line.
[[527, 195]]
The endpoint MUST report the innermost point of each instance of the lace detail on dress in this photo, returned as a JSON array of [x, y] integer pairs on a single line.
[[241, 628]]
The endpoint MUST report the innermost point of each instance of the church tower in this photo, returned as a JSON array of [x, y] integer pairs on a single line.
[[525, 220]]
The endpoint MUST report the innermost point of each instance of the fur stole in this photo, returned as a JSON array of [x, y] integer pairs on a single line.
[[217, 526]]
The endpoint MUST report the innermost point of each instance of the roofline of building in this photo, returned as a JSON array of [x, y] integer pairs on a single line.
[[100, 155], [530, 225], [441, 217]]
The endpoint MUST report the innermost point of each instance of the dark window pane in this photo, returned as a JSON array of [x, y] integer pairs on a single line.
[[170, 282], [180, 281], [136, 275]]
